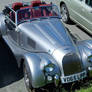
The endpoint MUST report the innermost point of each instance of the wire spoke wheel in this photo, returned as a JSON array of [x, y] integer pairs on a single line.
[[64, 13], [26, 80], [31, 89], [28, 83]]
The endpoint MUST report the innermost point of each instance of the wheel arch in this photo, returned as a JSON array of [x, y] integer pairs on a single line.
[[61, 3], [21, 62], [85, 48], [32, 64]]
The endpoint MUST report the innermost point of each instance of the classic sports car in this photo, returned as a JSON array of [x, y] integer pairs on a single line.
[[48, 52]]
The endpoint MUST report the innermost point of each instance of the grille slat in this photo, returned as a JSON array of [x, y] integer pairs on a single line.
[[71, 64]]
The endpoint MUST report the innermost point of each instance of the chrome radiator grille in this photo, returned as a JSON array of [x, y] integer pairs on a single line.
[[71, 64]]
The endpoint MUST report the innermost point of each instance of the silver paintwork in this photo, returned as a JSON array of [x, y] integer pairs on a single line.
[[45, 41], [3, 28]]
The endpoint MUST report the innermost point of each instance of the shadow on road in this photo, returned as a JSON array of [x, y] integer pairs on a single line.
[[79, 27], [9, 71], [71, 22], [84, 30]]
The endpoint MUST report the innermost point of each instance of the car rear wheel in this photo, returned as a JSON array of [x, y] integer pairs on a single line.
[[64, 13]]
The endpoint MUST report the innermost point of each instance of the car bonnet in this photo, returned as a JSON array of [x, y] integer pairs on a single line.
[[50, 34]]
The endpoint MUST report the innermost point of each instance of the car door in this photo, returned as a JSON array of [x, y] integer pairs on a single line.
[[26, 43], [12, 33], [87, 15], [76, 10]]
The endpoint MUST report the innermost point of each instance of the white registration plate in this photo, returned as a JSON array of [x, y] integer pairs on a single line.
[[74, 77]]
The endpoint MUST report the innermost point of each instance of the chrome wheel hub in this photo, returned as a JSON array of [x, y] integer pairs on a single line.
[[26, 78], [64, 13]]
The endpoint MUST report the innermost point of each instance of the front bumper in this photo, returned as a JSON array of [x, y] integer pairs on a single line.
[[74, 77]]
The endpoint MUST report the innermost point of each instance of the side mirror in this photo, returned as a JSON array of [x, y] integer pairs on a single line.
[[3, 28], [6, 10], [9, 24]]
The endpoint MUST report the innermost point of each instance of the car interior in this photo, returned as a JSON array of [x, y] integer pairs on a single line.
[[33, 13]]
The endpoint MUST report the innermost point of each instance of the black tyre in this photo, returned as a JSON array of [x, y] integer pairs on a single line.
[[64, 13], [26, 80], [28, 83], [31, 89]]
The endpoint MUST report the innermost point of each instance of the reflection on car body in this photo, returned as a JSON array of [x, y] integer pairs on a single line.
[[41, 44], [79, 11]]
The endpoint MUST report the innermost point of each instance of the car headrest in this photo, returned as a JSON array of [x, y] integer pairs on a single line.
[[35, 3], [17, 5]]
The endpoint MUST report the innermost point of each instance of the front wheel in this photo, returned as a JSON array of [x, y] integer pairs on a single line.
[[28, 82], [31, 89], [64, 13]]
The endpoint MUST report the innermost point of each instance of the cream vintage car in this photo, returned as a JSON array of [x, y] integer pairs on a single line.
[[79, 11]]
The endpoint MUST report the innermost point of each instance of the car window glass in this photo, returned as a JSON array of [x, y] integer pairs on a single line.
[[88, 2], [27, 14]]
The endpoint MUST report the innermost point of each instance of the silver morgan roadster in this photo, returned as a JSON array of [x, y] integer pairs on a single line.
[[49, 53]]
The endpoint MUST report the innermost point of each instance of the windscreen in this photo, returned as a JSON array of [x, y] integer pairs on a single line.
[[27, 14]]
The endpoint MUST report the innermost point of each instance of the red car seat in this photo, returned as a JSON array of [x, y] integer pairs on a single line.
[[36, 12], [35, 3], [26, 12], [17, 5], [45, 10]]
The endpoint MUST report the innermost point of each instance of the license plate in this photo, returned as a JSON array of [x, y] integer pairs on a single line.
[[74, 77]]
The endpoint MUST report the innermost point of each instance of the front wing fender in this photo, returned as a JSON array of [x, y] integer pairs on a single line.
[[85, 49], [36, 75]]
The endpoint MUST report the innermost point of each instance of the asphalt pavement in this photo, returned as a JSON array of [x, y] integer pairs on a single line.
[[11, 78]]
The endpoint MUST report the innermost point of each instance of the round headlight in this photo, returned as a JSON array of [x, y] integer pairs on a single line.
[[49, 67]]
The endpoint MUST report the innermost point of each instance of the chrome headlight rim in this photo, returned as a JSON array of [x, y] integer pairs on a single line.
[[49, 68]]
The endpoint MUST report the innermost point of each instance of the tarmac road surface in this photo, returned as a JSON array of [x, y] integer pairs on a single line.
[[11, 78]]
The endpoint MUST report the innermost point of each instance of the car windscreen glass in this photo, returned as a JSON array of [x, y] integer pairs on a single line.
[[28, 14]]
